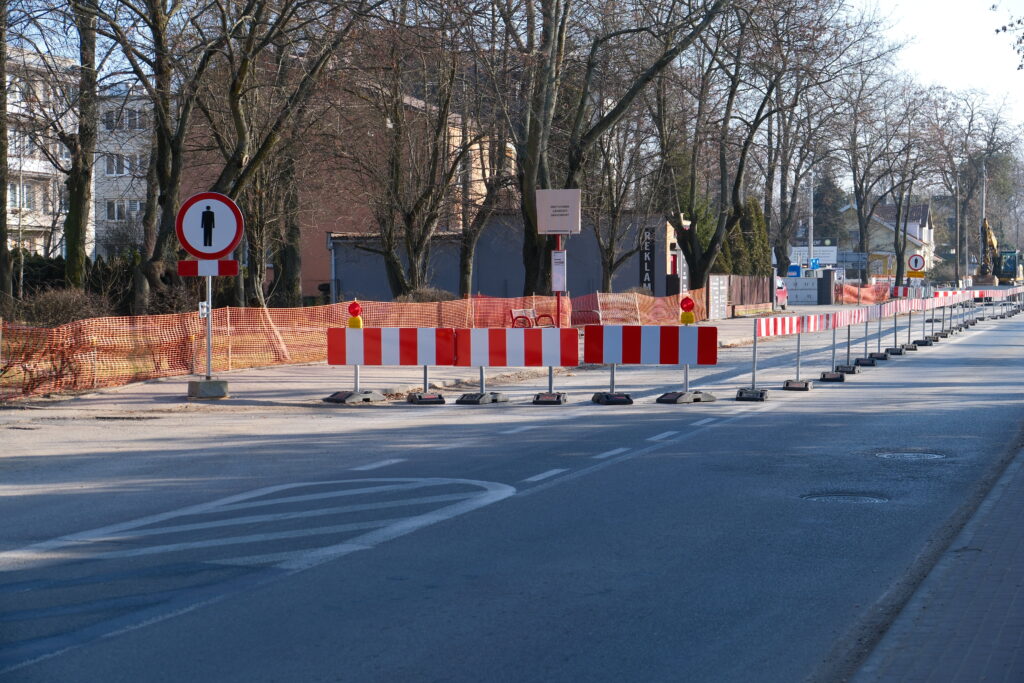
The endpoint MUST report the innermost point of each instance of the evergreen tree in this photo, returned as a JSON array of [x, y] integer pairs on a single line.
[[829, 199]]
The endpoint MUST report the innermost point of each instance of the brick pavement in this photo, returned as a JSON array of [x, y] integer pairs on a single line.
[[966, 620]]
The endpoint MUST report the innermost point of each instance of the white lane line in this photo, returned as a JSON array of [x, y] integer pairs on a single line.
[[608, 454], [377, 465], [545, 475], [662, 436], [320, 496], [452, 446], [282, 516], [705, 421], [517, 430], [237, 540]]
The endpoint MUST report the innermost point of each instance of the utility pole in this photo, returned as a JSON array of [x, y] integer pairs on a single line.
[[810, 221]]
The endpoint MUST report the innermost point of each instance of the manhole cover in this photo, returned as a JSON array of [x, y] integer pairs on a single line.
[[911, 455], [845, 497]]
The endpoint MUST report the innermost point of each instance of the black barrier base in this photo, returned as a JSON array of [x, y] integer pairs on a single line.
[[894, 350], [933, 338], [922, 342], [546, 398], [608, 398], [832, 377], [865, 362], [686, 397], [879, 355], [477, 399], [421, 398], [848, 369], [910, 347], [751, 394], [943, 335], [797, 385], [351, 398], [932, 320]]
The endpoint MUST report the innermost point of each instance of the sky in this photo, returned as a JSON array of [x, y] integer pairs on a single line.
[[954, 44]]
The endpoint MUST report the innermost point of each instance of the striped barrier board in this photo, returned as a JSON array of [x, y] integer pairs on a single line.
[[778, 326], [517, 347], [390, 346], [650, 345]]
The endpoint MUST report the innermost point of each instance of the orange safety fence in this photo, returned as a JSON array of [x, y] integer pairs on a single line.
[[103, 352], [872, 294]]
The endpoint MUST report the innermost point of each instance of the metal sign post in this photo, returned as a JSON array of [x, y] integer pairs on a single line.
[[209, 226]]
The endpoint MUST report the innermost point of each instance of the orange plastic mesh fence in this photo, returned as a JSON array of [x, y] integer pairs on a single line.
[[103, 352], [873, 294]]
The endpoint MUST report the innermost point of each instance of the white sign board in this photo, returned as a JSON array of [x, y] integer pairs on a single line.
[[558, 271], [558, 212], [827, 256]]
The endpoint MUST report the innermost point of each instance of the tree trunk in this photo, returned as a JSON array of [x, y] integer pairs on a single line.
[[80, 179], [289, 286], [6, 263]]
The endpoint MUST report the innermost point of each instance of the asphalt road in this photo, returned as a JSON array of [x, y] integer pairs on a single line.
[[715, 542]]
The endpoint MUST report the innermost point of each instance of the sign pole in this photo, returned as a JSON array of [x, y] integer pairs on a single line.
[[209, 327]]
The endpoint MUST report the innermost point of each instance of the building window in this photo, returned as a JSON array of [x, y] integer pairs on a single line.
[[12, 195], [117, 164], [25, 199], [124, 119], [115, 210]]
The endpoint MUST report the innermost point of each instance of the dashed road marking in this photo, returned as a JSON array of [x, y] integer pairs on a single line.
[[545, 475], [517, 430], [706, 420], [377, 465], [662, 436], [608, 454]]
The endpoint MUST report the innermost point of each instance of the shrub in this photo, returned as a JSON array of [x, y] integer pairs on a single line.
[[53, 307], [426, 295]]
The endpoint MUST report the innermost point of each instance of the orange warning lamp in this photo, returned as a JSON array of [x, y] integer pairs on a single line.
[[354, 310], [686, 316]]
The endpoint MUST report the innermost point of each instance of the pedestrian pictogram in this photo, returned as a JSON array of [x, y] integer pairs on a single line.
[[209, 225]]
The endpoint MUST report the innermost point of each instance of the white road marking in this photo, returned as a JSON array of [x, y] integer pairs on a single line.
[[283, 516], [545, 475], [376, 465], [662, 436], [608, 454], [56, 549], [705, 421], [516, 430], [236, 540], [452, 446]]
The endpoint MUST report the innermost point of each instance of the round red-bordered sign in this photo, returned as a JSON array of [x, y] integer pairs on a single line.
[[916, 262], [209, 225]]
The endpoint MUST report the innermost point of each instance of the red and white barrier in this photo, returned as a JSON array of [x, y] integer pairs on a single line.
[[650, 345], [517, 347], [390, 346]]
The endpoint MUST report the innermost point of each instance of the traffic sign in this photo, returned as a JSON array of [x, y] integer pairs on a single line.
[[916, 262], [209, 225], [915, 273]]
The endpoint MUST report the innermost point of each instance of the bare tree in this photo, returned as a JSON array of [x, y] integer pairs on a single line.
[[6, 263]]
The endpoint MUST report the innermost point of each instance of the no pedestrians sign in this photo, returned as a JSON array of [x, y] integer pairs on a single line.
[[209, 226]]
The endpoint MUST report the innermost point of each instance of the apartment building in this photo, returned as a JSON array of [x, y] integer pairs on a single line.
[[37, 162], [124, 139]]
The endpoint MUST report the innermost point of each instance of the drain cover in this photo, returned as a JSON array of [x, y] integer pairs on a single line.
[[845, 497], [911, 455]]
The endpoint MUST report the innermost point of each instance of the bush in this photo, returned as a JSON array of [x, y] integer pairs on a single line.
[[53, 307], [425, 295]]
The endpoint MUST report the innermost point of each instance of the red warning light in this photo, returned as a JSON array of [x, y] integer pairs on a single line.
[[686, 303], [354, 308]]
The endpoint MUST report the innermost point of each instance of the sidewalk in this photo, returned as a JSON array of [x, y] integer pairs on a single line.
[[965, 622]]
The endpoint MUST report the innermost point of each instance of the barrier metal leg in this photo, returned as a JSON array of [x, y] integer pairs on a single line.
[[483, 381], [611, 386], [796, 384], [879, 354], [910, 346], [356, 378], [833, 374], [483, 396], [753, 393], [868, 359]]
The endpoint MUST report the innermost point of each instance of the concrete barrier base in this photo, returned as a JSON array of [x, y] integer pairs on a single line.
[[207, 389], [609, 398], [751, 394], [686, 397], [797, 385], [555, 398], [351, 398], [422, 398], [832, 377]]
